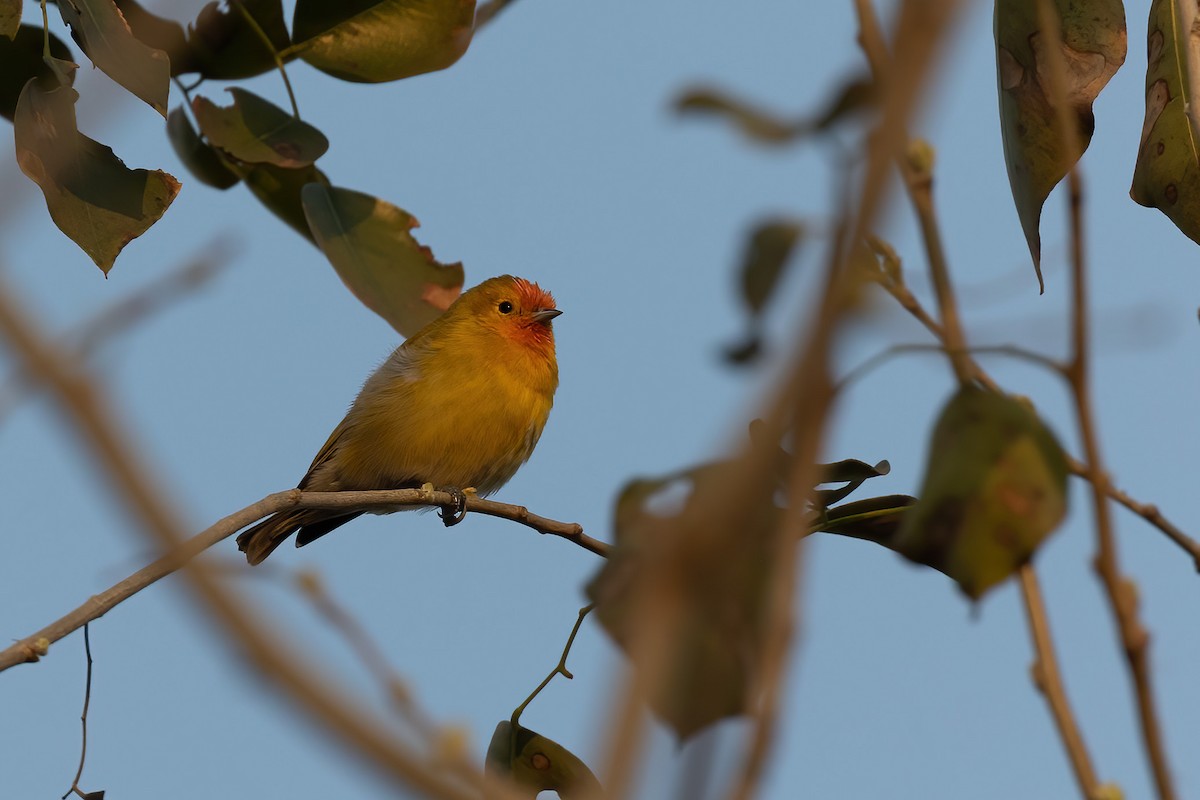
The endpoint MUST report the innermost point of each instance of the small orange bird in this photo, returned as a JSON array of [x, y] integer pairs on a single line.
[[460, 404]]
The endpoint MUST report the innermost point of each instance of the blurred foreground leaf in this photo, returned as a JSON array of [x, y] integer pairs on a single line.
[[100, 29], [201, 160], [995, 487], [256, 131], [538, 764], [1167, 175], [708, 562], [767, 253], [372, 41], [369, 243], [92, 196], [21, 59], [1092, 47]]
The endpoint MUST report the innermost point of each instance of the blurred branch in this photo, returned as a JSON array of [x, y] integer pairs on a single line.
[[118, 318], [32, 647], [1048, 680], [334, 712]]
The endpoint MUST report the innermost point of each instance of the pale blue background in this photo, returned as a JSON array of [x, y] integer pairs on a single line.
[[550, 151]]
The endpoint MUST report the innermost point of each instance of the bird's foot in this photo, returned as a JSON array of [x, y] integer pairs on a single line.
[[451, 517]]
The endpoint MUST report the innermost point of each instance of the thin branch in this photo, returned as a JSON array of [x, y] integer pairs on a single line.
[[1120, 591], [1048, 680], [32, 647], [83, 717], [559, 669], [266, 40], [887, 354]]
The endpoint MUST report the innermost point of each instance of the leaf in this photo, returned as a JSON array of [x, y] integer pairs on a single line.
[[255, 131], [372, 41], [538, 764], [1092, 46], [10, 18], [160, 34], [709, 557], [92, 196], [851, 472], [995, 487], [225, 45], [767, 252], [1167, 175], [368, 242], [21, 59], [758, 125], [875, 519], [100, 29], [197, 155], [279, 190]]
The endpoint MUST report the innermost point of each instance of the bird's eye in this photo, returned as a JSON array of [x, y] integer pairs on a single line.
[[506, 307]]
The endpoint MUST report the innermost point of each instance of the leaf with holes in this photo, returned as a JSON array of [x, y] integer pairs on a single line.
[[92, 196], [538, 764], [1091, 48], [1167, 175], [995, 487], [255, 131], [699, 566], [197, 155], [100, 29], [372, 41], [370, 244], [21, 59]]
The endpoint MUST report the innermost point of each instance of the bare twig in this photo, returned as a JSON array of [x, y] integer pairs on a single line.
[[83, 717], [31, 647], [1048, 680], [559, 669]]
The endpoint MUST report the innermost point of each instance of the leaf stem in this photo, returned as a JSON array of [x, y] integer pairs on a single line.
[[275, 54], [559, 669]]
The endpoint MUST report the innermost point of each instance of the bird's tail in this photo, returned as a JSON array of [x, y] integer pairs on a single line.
[[261, 540]]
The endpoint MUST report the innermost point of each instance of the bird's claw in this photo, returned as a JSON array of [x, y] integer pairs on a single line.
[[450, 517]]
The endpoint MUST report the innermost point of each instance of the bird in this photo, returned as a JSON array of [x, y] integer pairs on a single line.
[[461, 405]]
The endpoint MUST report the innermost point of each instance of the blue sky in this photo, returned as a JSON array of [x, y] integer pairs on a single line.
[[550, 151]]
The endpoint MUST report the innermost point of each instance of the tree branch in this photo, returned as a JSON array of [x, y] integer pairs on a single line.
[[34, 646]]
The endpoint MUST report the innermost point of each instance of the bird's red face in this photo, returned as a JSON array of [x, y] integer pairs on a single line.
[[523, 312]]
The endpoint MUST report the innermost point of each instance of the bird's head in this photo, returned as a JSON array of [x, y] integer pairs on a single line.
[[517, 309]]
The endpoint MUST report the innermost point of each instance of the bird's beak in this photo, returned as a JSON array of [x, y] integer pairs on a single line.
[[545, 314]]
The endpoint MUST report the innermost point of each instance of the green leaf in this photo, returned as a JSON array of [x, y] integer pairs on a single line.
[[279, 190], [1167, 175], [369, 243], [197, 155], [995, 487], [21, 59], [160, 34], [875, 519], [225, 45], [255, 131], [1093, 47], [715, 550], [372, 41], [101, 30], [92, 196], [10, 18], [538, 764]]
